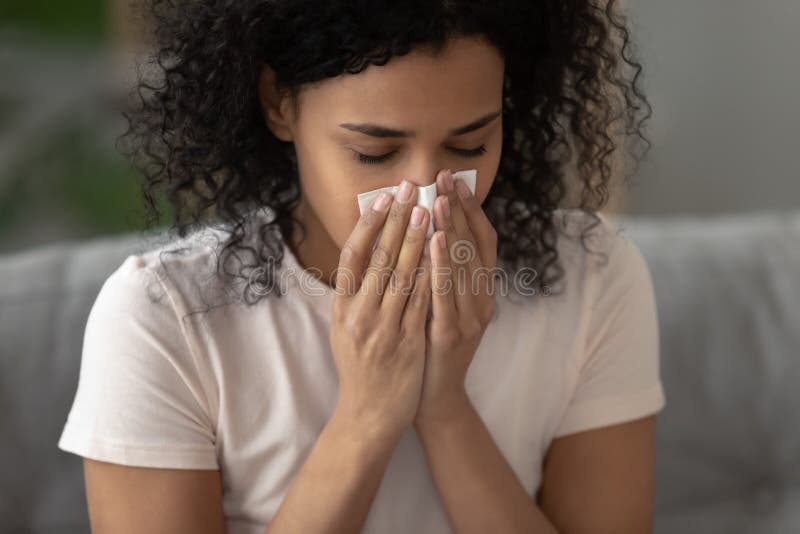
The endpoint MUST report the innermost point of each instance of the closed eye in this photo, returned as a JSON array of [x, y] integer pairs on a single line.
[[470, 153]]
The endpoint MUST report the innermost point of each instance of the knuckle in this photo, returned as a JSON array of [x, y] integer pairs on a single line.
[[414, 301], [424, 267], [348, 253], [412, 238], [417, 300], [407, 331], [346, 281], [472, 330], [396, 213], [369, 346], [386, 335], [401, 281], [380, 257], [377, 276], [371, 217], [357, 327], [450, 337]]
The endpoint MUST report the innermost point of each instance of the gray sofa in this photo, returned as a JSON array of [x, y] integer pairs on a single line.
[[728, 440]]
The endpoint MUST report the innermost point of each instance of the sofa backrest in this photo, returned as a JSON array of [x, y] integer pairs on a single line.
[[45, 297], [728, 439]]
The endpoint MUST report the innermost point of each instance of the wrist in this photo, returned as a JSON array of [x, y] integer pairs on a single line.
[[362, 430], [447, 412]]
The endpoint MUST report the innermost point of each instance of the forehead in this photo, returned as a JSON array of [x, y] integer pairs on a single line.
[[467, 76]]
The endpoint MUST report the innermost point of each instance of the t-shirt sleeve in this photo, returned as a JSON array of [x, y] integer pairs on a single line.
[[619, 377], [139, 399]]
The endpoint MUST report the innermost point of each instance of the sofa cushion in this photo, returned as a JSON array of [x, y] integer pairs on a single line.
[[45, 298], [728, 443]]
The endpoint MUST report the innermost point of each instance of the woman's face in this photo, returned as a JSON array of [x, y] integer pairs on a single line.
[[407, 117]]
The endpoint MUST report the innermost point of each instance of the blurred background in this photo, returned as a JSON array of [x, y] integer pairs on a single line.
[[721, 75], [66, 71]]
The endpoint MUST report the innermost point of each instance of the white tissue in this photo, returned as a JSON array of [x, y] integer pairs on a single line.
[[425, 197]]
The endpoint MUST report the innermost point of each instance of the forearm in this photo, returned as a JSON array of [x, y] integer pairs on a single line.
[[478, 487], [334, 489]]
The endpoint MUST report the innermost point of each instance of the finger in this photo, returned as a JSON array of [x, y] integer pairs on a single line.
[[401, 283], [479, 224], [463, 248], [416, 310], [444, 306], [458, 220], [357, 250], [469, 213], [386, 252], [458, 251]]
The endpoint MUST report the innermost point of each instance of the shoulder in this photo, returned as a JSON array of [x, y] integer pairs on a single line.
[[616, 268], [616, 373], [135, 300], [146, 394], [593, 252], [595, 248], [181, 273]]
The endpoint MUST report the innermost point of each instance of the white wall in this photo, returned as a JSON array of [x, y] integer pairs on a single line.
[[724, 81]]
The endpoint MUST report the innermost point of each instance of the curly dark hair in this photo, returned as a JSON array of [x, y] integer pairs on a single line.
[[196, 131]]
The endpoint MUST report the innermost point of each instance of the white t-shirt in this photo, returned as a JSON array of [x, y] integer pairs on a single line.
[[247, 390]]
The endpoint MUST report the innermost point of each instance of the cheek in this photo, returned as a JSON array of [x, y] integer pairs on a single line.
[[343, 220], [335, 207], [327, 189]]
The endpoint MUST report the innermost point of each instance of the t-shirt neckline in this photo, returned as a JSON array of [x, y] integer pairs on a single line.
[[304, 283]]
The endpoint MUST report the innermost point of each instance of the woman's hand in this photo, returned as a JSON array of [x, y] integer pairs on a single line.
[[379, 315], [464, 254]]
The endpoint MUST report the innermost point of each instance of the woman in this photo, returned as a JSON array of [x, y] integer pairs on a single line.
[[220, 394]]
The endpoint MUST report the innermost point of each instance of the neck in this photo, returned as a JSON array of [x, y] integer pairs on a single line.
[[316, 250]]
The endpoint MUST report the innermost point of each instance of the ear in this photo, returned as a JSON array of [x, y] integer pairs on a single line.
[[276, 105]]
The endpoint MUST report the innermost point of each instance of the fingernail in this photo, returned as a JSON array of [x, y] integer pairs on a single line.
[[382, 202], [446, 207], [404, 195], [416, 216], [426, 248], [463, 190]]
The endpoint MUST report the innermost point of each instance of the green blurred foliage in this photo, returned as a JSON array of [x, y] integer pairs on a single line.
[[100, 190], [83, 189], [73, 184], [76, 20]]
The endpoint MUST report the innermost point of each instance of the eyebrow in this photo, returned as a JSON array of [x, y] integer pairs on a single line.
[[376, 130]]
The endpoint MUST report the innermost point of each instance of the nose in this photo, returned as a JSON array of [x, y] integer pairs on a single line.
[[424, 177]]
